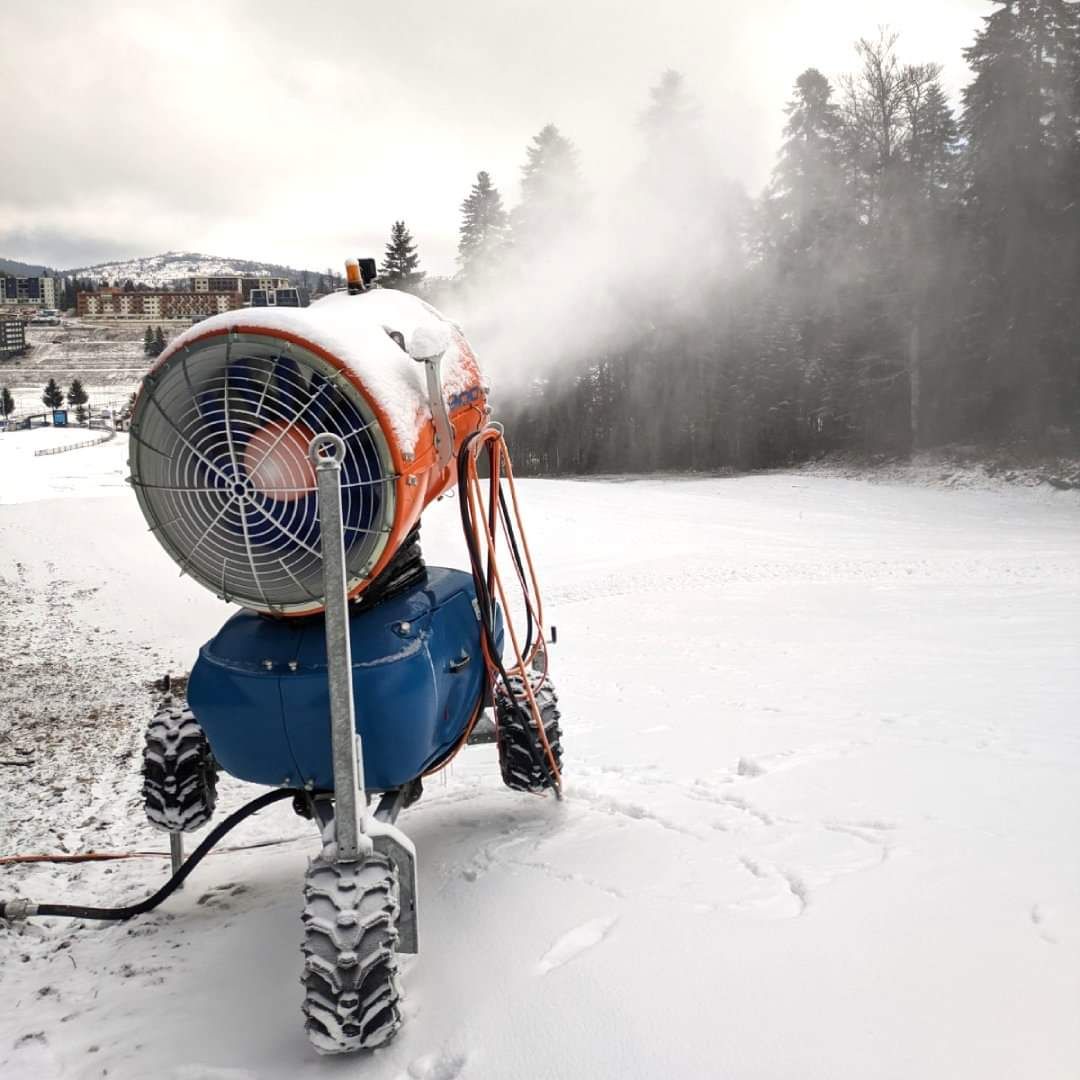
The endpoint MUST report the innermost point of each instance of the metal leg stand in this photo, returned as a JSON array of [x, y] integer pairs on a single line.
[[327, 453], [355, 832], [176, 852]]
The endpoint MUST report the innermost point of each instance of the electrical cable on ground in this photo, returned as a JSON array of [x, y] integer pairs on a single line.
[[17, 909]]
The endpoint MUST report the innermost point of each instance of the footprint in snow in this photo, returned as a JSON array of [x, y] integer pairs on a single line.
[[1038, 916], [442, 1065], [750, 767], [575, 942]]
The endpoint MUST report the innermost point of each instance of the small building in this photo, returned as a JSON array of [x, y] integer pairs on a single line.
[[160, 306], [12, 337], [237, 283], [36, 291], [286, 297]]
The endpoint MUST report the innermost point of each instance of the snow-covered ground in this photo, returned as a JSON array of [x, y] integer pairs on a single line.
[[822, 816], [107, 358]]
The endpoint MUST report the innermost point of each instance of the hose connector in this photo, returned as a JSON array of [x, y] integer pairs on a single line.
[[17, 910]]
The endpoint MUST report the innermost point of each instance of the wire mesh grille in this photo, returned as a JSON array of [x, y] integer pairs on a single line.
[[219, 462]]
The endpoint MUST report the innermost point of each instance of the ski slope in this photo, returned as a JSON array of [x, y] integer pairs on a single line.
[[821, 818]]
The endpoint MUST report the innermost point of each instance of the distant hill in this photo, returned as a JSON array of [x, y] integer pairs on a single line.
[[172, 266], [12, 266], [164, 270]]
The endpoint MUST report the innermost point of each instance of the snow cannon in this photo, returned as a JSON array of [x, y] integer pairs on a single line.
[[222, 425], [283, 458]]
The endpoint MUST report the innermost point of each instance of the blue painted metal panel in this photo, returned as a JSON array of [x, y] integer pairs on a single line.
[[259, 687]]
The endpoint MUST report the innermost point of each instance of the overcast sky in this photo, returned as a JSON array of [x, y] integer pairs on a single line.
[[256, 130]]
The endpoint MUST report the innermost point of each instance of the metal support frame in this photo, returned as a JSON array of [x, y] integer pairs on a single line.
[[440, 414], [356, 834], [396, 846], [176, 853], [327, 452]]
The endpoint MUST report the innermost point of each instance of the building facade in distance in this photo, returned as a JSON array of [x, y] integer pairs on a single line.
[[12, 336], [285, 297], [40, 291], [154, 306], [238, 283]]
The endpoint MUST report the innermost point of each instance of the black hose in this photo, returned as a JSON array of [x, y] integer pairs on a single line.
[[77, 911], [508, 521]]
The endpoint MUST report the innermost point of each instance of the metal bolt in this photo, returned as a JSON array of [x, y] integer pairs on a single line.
[[268, 664], [411, 481], [294, 665], [404, 627]]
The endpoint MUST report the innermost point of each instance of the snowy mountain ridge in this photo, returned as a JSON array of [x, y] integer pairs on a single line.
[[172, 266]]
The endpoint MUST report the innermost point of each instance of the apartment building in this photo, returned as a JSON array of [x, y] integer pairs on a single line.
[[39, 291], [236, 283], [12, 336], [154, 306]]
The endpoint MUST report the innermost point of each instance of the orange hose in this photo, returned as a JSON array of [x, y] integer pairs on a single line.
[[492, 437], [109, 856]]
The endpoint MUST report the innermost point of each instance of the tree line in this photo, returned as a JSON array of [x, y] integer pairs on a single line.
[[908, 277], [53, 397]]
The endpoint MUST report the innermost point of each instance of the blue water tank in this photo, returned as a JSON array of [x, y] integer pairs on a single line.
[[259, 688]]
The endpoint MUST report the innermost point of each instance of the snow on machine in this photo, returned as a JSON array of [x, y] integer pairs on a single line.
[[283, 457]]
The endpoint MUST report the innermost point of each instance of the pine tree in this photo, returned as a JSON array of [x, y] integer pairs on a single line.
[[159, 341], [551, 190], [807, 193], [76, 394], [401, 261], [676, 180], [7, 403], [671, 129], [933, 137], [78, 397], [1020, 120], [924, 233], [483, 227], [53, 396], [148, 342]]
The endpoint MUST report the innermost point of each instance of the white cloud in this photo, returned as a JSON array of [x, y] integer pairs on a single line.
[[255, 129]]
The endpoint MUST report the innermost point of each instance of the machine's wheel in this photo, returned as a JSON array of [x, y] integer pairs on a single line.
[[350, 964], [179, 771], [522, 757]]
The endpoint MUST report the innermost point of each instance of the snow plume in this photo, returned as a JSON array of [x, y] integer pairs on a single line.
[[581, 272]]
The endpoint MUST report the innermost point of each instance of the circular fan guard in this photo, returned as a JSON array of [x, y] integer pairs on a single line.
[[219, 441]]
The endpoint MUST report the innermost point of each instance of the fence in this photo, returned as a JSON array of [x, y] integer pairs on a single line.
[[76, 446]]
